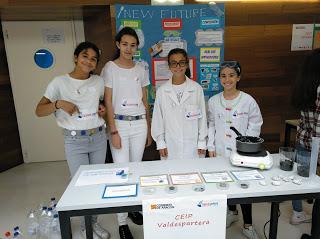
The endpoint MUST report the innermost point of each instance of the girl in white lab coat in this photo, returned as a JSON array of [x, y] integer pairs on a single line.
[[232, 107], [179, 124]]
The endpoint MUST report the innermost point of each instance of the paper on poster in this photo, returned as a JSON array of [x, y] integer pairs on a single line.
[[208, 37], [302, 37]]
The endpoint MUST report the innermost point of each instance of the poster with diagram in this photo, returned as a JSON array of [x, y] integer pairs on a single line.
[[198, 28]]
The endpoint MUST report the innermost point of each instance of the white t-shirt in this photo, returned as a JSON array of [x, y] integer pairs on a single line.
[[179, 89], [126, 87], [85, 94]]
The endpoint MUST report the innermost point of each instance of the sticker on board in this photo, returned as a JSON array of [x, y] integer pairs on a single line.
[[43, 58]]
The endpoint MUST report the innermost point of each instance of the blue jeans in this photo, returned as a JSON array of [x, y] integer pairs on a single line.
[[297, 204], [84, 150]]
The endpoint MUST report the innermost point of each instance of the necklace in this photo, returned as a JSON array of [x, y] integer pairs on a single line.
[[79, 90], [229, 108]]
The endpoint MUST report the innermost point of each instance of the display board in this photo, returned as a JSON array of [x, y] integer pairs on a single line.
[[199, 29]]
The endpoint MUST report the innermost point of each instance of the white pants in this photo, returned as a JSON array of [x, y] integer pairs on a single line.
[[133, 136]]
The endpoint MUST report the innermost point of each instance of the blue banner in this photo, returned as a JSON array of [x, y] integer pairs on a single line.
[[199, 29]]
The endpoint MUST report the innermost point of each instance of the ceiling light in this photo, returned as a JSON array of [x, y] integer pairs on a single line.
[[167, 2]]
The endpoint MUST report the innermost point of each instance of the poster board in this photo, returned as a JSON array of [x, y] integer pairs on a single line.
[[199, 29]]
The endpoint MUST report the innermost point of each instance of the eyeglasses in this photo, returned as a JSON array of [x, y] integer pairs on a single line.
[[174, 64]]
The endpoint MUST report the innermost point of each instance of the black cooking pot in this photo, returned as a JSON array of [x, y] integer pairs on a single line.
[[248, 144]]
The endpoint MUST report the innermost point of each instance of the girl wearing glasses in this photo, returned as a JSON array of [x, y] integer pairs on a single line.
[[128, 117], [179, 124], [232, 107]]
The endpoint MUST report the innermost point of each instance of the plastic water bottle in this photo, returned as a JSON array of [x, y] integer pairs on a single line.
[[54, 209], [17, 235], [44, 223], [32, 225], [55, 228], [17, 229], [53, 202]]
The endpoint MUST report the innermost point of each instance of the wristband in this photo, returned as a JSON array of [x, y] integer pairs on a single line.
[[114, 132], [55, 105]]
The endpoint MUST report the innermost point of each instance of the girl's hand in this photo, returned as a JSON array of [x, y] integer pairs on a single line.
[[149, 140], [67, 106], [202, 152], [163, 152], [116, 141], [212, 154], [101, 110]]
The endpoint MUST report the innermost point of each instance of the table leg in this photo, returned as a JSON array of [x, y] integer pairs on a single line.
[[65, 225], [315, 229], [89, 232], [274, 220]]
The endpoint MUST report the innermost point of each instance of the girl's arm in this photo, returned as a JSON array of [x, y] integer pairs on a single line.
[[115, 137], [255, 120], [157, 126], [212, 130], [148, 118], [202, 124], [45, 107]]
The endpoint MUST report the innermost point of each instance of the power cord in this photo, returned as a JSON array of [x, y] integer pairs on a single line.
[[264, 227]]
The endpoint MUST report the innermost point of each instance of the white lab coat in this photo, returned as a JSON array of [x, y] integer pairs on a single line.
[[173, 128], [245, 116]]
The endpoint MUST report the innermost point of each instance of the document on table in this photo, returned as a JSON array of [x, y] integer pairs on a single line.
[[216, 177], [103, 176], [154, 180], [185, 178], [117, 191], [247, 175]]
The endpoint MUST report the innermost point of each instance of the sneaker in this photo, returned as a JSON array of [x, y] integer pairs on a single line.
[[100, 231], [232, 216], [299, 217], [136, 217], [83, 234], [250, 233], [124, 232], [305, 236]]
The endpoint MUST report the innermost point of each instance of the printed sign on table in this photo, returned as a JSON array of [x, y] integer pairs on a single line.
[[185, 217]]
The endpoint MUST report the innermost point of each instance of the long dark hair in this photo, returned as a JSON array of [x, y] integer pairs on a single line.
[[304, 93], [185, 55], [124, 31], [87, 45]]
